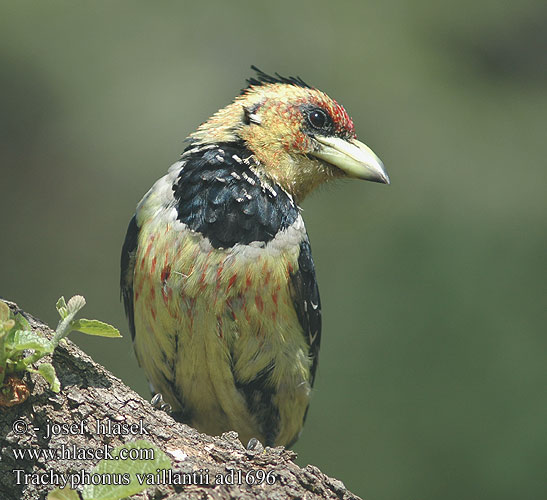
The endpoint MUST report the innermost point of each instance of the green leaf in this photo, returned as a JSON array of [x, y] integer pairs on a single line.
[[19, 340], [129, 467], [95, 327], [6, 326], [21, 322], [4, 311], [61, 308], [63, 494], [48, 372], [67, 312], [75, 304]]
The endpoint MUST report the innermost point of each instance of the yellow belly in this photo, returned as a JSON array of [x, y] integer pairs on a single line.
[[208, 320]]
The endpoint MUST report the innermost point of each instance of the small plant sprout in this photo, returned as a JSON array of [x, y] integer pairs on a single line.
[[21, 347]]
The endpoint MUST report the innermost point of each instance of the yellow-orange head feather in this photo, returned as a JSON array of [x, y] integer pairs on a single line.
[[300, 135]]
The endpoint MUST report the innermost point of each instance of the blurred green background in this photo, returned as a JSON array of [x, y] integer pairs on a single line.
[[432, 375]]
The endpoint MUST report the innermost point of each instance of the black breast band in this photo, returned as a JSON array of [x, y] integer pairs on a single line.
[[219, 196]]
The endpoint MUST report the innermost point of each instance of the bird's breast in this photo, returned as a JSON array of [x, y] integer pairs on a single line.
[[210, 322], [175, 266]]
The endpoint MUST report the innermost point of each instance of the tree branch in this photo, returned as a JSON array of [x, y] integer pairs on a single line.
[[89, 393]]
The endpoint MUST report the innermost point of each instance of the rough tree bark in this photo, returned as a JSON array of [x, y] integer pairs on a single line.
[[89, 392]]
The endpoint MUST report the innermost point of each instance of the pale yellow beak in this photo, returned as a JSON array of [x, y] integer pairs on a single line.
[[353, 157]]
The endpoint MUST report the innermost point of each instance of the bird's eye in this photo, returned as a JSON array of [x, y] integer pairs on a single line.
[[317, 118]]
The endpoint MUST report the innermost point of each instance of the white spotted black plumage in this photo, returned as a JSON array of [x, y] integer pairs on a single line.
[[307, 303], [226, 201]]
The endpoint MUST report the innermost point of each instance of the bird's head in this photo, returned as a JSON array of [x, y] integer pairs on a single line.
[[300, 135]]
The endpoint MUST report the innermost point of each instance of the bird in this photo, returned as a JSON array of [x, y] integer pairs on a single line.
[[217, 275]]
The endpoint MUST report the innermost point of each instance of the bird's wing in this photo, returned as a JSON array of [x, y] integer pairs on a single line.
[[306, 301], [129, 250]]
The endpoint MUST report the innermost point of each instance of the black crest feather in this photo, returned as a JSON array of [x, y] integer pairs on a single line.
[[262, 78]]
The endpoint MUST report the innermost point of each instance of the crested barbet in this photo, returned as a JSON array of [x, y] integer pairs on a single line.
[[217, 275]]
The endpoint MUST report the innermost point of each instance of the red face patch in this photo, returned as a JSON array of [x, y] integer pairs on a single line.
[[343, 124]]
